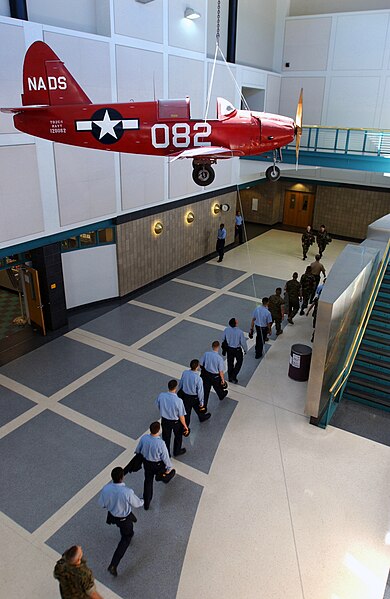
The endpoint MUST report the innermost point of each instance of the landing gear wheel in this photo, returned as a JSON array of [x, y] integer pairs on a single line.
[[272, 173], [203, 174]]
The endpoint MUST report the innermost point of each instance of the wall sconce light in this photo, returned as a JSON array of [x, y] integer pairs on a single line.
[[158, 228], [191, 14], [190, 217], [216, 209]]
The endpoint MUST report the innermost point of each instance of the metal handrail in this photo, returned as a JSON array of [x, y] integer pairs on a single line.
[[348, 363], [345, 140]]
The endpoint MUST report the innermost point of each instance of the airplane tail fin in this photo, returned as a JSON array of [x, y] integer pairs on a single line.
[[46, 80]]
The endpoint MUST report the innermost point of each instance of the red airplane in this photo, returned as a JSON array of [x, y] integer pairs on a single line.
[[56, 108]]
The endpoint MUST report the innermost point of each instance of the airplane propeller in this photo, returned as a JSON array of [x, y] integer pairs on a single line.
[[298, 126]]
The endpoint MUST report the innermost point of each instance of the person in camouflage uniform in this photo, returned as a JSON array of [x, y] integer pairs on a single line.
[[308, 284], [276, 307], [308, 239], [293, 290], [323, 238], [75, 578]]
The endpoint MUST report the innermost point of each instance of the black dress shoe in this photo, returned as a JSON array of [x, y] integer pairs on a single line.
[[205, 417], [180, 452], [112, 570], [146, 507]]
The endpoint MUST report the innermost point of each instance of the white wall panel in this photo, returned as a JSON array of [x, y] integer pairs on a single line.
[[72, 14], [180, 179], [20, 197], [272, 95], [90, 275], [318, 7], [4, 8], [88, 61], [142, 179], [360, 41], [255, 33], [186, 78], [212, 26], [384, 120], [313, 94], [143, 21], [223, 174], [86, 183], [11, 60], [139, 74], [223, 86], [252, 77], [306, 44], [352, 101], [186, 33]]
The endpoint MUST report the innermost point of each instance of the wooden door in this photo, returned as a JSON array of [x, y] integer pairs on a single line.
[[298, 208], [33, 297]]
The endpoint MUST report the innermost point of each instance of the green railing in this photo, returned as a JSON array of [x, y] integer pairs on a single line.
[[341, 140], [338, 386]]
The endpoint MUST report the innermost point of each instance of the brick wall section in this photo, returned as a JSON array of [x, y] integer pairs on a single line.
[[270, 201], [348, 212], [144, 257]]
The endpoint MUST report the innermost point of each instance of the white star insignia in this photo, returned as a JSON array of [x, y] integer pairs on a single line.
[[107, 126]]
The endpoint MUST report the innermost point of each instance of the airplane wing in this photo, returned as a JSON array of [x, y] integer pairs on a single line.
[[24, 109], [207, 151]]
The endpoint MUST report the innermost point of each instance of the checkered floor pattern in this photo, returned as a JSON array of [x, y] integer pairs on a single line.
[[9, 309]]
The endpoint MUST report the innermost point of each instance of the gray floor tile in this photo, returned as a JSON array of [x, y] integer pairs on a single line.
[[12, 405], [126, 324], [54, 365], [363, 420], [122, 397], [259, 286], [44, 463], [202, 444], [152, 565], [183, 342], [212, 275], [225, 307], [174, 296]]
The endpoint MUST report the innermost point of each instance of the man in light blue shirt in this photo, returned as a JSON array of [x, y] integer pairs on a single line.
[[213, 373], [235, 343], [156, 461], [239, 227], [190, 390], [262, 319], [172, 414], [118, 500], [221, 237]]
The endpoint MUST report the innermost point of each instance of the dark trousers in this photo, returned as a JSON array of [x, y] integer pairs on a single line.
[[212, 380], [240, 233], [278, 323], [167, 427], [305, 299], [234, 361], [151, 469], [293, 308], [305, 249], [220, 248], [126, 528], [261, 336], [191, 402]]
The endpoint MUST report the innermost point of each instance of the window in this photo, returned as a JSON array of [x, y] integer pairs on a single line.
[[106, 235], [88, 239]]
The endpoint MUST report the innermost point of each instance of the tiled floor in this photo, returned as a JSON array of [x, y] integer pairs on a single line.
[[264, 505]]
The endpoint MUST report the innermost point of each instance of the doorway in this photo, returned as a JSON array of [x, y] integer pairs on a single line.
[[298, 208]]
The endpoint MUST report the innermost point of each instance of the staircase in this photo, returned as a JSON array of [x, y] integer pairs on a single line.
[[369, 380]]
